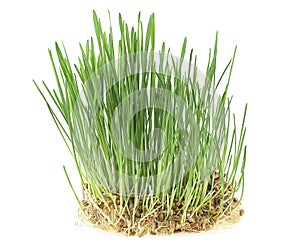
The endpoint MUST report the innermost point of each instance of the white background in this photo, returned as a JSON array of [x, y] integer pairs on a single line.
[[37, 207]]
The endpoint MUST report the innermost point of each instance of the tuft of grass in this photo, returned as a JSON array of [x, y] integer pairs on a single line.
[[149, 133]]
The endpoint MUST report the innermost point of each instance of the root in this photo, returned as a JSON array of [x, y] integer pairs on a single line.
[[131, 217]]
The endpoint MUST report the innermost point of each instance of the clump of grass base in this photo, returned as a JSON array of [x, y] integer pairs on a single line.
[[129, 219]]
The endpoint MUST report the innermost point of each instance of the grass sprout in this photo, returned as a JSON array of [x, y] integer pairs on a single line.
[[156, 147]]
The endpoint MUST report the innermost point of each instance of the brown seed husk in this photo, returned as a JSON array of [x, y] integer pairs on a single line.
[[242, 212]]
